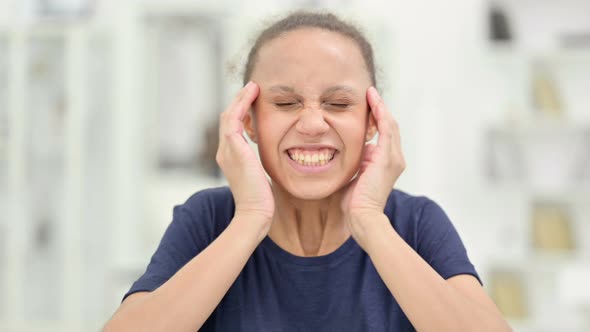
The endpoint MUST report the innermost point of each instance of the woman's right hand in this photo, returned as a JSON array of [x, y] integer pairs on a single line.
[[240, 165]]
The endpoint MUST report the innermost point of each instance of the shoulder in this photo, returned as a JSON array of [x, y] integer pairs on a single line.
[[209, 199], [425, 227], [412, 215], [404, 204], [212, 208]]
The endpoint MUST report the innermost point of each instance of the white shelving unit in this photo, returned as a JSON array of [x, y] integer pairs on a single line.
[[110, 199], [20, 227], [545, 157], [544, 154]]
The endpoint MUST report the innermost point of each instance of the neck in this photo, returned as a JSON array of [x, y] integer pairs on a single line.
[[306, 227]]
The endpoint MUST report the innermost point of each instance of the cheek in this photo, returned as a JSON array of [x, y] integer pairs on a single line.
[[270, 128], [351, 129]]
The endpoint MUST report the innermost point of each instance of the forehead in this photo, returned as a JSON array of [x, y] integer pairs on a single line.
[[311, 56]]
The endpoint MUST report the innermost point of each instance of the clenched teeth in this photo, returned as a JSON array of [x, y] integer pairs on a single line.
[[311, 157]]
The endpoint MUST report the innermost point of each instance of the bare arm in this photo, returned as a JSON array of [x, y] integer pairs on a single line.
[[185, 301], [430, 302]]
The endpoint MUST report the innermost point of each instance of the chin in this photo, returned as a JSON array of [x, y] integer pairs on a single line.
[[311, 196], [311, 191]]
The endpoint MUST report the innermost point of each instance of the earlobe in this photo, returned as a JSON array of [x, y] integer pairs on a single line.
[[249, 126]]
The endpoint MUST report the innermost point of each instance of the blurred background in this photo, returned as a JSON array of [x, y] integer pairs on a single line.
[[108, 118]]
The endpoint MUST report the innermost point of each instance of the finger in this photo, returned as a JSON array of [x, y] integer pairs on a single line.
[[236, 145], [396, 134], [396, 147], [382, 119], [377, 108], [366, 157], [244, 101], [232, 142], [368, 153], [239, 96], [231, 119], [237, 112]]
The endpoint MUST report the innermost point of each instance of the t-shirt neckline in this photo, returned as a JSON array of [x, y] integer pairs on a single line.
[[335, 257]]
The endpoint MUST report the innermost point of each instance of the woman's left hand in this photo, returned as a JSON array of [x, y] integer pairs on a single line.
[[381, 166]]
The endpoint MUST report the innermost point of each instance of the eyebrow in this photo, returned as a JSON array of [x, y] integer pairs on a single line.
[[336, 88], [282, 88]]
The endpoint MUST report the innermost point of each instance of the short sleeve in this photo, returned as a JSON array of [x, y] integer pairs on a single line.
[[439, 244], [191, 230]]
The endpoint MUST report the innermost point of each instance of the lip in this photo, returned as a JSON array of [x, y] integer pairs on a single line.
[[311, 169], [312, 147]]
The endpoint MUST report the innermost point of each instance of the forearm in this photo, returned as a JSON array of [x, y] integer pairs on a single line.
[[429, 301], [185, 301]]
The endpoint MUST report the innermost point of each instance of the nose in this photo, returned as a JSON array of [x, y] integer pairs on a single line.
[[312, 122]]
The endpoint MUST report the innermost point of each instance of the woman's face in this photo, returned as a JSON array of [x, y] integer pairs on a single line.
[[311, 118]]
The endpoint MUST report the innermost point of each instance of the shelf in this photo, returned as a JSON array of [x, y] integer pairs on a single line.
[[550, 285], [541, 126], [546, 156], [502, 53]]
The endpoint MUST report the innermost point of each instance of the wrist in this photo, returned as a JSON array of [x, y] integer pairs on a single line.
[[255, 213], [381, 237], [365, 214], [367, 226], [254, 223]]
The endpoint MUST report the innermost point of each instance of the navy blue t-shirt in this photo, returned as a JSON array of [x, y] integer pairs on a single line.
[[278, 291]]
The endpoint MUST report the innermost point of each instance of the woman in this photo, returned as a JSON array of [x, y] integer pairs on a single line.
[[327, 245]]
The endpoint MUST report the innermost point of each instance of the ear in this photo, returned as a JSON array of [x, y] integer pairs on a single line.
[[250, 126], [371, 127]]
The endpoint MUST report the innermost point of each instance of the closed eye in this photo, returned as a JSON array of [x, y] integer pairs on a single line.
[[285, 104], [337, 105]]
